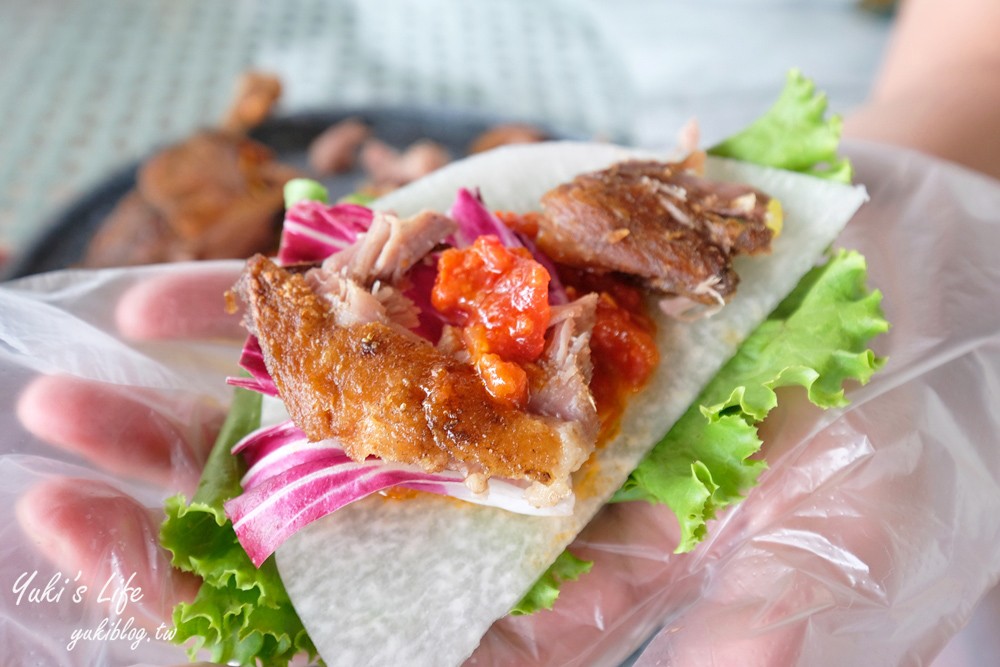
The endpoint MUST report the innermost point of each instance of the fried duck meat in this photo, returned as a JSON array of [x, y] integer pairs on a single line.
[[337, 341], [661, 223]]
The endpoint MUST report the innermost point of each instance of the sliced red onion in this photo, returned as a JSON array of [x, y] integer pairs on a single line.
[[265, 516], [292, 482], [475, 220], [252, 361], [421, 278], [262, 443], [313, 231]]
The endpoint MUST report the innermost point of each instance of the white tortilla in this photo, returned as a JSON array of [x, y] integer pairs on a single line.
[[420, 581]]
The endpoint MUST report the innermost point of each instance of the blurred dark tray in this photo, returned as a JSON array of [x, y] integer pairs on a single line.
[[65, 236]]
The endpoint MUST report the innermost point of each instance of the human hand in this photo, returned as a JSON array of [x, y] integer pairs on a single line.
[[874, 531], [101, 531], [100, 528]]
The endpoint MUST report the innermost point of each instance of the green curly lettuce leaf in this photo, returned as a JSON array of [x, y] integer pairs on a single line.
[[793, 134], [704, 463], [543, 594], [241, 614], [817, 339]]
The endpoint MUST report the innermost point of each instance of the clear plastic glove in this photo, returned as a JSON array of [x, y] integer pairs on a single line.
[[868, 541], [876, 529], [120, 434]]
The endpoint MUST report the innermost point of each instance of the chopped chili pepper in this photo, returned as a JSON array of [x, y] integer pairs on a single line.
[[500, 298]]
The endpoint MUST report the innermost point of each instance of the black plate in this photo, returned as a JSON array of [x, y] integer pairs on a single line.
[[65, 238]]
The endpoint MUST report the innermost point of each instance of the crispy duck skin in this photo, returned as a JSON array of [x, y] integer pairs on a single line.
[[382, 391], [659, 222]]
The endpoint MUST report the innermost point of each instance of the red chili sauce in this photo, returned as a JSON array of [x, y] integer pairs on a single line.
[[500, 298], [622, 347]]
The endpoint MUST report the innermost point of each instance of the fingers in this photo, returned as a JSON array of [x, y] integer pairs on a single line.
[[121, 429], [134, 432], [88, 527], [180, 305]]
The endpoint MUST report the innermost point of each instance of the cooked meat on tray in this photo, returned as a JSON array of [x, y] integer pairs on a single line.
[[217, 194]]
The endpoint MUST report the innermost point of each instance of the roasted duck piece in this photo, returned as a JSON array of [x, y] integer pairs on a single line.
[[661, 223]]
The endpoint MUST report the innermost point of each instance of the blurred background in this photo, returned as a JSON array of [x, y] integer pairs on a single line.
[[90, 90]]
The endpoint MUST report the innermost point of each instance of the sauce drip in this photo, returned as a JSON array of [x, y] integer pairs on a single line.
[[622, 347]]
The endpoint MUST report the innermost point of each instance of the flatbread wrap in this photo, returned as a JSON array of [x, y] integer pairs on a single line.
[[416, 578]]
